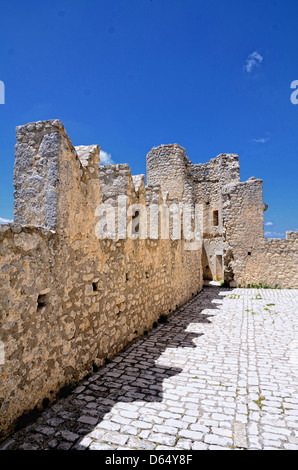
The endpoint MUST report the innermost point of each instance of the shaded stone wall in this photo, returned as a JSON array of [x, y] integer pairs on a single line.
[[68, 300]]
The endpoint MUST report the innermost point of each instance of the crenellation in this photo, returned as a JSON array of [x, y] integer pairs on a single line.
[[72, 298], [46, 167], [292, 236], [88, 156], [139, 183], [115, 180]]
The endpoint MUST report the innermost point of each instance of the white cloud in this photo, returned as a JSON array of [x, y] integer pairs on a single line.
[[262, 140], [5, 221], [275, 234], [105, 158], [253, 60], [269, 223]]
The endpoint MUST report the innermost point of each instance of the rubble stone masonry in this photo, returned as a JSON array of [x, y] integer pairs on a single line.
[[70, 300]]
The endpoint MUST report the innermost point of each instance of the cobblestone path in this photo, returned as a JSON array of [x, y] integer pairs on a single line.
[[222, 373]]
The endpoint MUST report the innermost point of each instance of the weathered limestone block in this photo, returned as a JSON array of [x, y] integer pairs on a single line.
[[47, 169]]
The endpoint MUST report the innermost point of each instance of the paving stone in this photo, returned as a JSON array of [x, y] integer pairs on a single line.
[[176, 423], [193, 435], [129, 414], [184, 444], [190, 385], [64, 446], [68, 436], [215, 447], [87, 420], [100, 446], [47, 431], [141, 424], [140, 444], [108, 425], [162, 439], [115, 438], [165, 429], [84, 443], [217, 440], [53, 443], [291, 446], [199, 446], [131, 430]]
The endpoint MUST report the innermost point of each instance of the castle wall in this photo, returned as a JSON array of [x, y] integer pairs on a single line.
[[234, 248], [274, 264], [199, 184], [70, 300], [249, 257], [166, 166], [208, 180]]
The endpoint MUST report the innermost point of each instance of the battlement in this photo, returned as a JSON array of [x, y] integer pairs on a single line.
[[292, 236], [71, 299], [224, 168]]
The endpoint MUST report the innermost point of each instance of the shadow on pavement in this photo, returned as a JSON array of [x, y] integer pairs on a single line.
[[133, 375]]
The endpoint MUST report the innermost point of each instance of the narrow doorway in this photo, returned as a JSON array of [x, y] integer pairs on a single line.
[[219, 268]]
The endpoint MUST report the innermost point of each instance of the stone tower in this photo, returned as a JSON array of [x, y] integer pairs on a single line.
[[166, 167]]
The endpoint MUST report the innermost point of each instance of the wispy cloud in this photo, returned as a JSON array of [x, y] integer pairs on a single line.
[[261, 140], [106, 158], [275, 234], [253, 60], [5, 221], [269, 223]]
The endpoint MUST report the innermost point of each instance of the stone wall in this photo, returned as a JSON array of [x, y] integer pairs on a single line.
[[251, 258], [208, 179], [234, 248], [199, 184], [69, 300], [72, 297]]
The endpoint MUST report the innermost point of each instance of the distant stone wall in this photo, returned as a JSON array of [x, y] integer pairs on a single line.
[[69, 300], [249, 257], [275, 264], [199, 184], [208, 179], [234, 248]]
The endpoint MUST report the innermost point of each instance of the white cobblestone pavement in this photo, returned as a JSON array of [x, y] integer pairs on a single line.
[[221, 373]]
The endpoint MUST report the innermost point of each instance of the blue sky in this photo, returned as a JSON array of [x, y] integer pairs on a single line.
[[213, 76]]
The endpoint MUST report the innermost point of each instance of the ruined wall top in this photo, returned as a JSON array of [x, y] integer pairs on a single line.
[[33, 132], [52, 184], [224, 168], [170, 167], [55, 181], [166, 166]]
